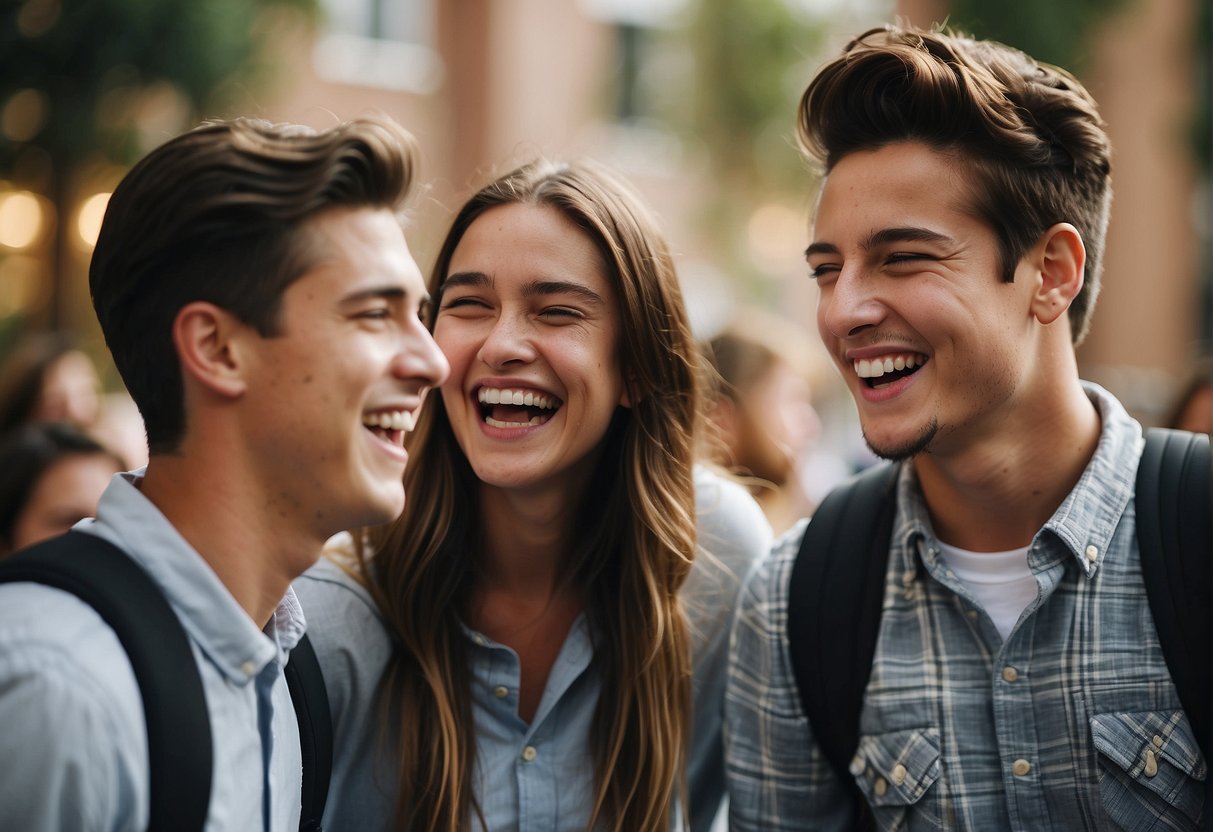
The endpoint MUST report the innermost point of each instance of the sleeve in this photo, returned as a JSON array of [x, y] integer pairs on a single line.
[[733, 535], [353, 648], [776, 775], [72, 739]]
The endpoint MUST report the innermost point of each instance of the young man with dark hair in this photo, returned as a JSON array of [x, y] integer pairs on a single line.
[[1017, 681], [254, 286]]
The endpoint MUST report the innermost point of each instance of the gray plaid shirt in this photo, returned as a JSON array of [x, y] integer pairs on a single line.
[[1071, 723]]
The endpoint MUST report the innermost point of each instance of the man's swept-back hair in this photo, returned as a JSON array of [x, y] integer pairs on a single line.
[[636, 531], [1028, 133], [217, 215]]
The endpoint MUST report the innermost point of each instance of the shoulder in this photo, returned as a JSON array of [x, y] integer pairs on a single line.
[[766, 588], [729, 523], [72, 713], [341, 615], [349, 635]]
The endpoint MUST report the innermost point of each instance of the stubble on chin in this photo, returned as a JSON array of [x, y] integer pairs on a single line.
[[906, 450]]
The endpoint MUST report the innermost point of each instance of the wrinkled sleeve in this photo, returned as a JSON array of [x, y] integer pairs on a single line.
[[72, 755], [777, 777], [733, 534]]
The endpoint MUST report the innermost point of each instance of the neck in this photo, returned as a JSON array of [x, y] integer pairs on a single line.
[[254, 550], [996, 492], [527, 539]]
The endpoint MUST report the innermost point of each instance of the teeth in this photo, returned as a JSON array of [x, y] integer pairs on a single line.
[[877, 367], [404, 420], [534, 420], [523, 398]]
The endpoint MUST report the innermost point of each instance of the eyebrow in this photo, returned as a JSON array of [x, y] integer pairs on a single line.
[[535, 288], [904, 234], [384, 292]]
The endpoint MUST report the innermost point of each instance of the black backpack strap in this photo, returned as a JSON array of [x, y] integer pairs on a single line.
[[178, 726], [311, 702], [1173, 534], [835, 594]]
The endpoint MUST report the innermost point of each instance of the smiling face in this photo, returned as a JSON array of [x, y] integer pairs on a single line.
[[330, 397], [528, 320], [934, 346]]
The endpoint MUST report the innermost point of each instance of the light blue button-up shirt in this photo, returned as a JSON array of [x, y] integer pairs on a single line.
[[537, 777], [72, 732], [1071, 722]]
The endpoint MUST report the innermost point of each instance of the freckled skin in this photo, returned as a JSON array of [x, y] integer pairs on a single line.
[[945, 300]]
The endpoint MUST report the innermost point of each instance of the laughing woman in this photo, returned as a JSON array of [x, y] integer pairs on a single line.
[[513, 652]]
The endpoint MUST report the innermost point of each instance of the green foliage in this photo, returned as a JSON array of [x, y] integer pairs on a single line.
[[89, 62], [1048, 30], [747, 55]]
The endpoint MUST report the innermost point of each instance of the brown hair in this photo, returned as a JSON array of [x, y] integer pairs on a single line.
[[217, 214], [639, 540], [1029, 133]]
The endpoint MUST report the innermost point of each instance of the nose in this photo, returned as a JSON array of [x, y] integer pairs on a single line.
[[419, 357], [509, 341], [849, 305]]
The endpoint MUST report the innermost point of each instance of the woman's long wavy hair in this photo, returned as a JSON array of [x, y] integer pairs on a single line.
[[637, 548]]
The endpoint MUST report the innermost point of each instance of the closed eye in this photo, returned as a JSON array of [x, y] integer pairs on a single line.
[[906, 257], [561, 312], [818, 272], [464, 302]]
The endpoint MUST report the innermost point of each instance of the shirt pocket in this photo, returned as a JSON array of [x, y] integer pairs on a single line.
[[1150, 767], [895, 771]]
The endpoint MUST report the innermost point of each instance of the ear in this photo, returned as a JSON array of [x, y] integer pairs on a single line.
[[206, 337], [1061, 257]]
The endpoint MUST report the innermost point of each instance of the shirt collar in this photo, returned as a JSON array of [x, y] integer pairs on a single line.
[[208, 612], [1086, 519]]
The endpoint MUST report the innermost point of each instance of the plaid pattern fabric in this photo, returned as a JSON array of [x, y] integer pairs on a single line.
[[1071, 723]]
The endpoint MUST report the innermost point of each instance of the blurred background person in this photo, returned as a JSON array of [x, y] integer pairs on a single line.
[[760, 422], [51, 476], [47, 377], [1192, 409]]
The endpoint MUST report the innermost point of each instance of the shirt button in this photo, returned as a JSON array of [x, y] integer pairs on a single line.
[[898, 775], [857, 766], [501, 691], [880, 786], [248, 668], [529, 753], [1009, 674], [972, 614], [1092, 553], [1151, 767], [1157, 741], [1020, 768]]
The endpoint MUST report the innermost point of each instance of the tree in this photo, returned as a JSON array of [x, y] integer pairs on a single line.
[[90, 82]]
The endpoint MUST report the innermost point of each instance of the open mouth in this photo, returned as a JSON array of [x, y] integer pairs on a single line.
[[883, 371], [503, 407], [390, 425]]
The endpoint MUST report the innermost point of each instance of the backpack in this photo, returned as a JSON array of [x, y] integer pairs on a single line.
[[178, 725], [1173, 535]]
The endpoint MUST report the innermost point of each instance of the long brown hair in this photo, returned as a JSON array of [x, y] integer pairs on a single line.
[[640, 539]]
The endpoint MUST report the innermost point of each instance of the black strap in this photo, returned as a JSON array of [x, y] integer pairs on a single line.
[[311, 701], [174, 702], [1173, 534], [178, 727], [843, 555]]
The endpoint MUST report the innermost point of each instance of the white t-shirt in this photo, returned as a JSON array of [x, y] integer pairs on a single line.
[[1001, 582]]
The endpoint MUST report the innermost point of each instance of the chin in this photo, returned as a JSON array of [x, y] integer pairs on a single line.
[[899, 448]]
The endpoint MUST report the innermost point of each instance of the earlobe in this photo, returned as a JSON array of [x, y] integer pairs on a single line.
[[1061, 260], [204, 337]]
